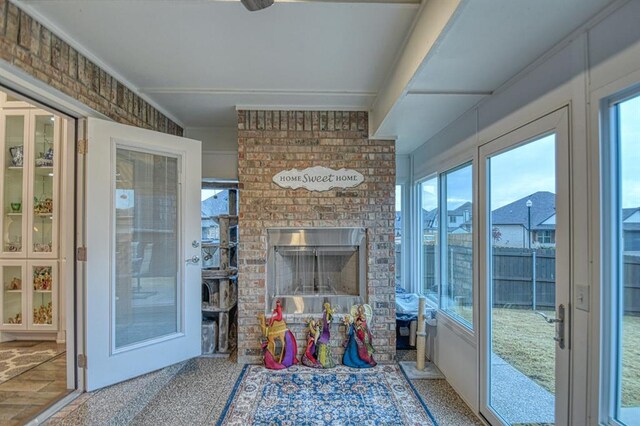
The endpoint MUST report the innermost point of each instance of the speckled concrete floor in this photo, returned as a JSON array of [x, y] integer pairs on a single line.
[[195, 393]]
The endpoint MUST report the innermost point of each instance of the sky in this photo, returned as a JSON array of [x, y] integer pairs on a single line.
[[630, 152], [514, 174]]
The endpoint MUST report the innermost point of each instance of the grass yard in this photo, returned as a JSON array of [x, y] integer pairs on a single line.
[[525, 340]]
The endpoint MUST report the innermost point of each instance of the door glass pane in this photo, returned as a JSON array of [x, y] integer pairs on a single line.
[[628, 406], [147, 286], [13, 295], [398, 235], [43, 201], [522, 203], [457, 282], [14, 165], [429, 238], [42, 286]]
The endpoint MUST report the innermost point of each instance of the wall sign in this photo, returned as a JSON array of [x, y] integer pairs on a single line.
[[318, 178]]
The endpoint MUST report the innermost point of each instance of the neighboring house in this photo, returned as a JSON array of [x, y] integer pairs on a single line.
[[511, 222], [458, 221], [631, 229], [213, 206]]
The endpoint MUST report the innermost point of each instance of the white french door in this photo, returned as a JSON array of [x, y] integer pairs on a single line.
[[142, 293], [524, 268]]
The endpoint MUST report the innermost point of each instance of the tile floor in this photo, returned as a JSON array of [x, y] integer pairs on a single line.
[[24, 396], [195, 393]]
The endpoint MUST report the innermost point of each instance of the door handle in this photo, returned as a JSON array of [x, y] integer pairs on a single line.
[[559, 322], [193, 260]]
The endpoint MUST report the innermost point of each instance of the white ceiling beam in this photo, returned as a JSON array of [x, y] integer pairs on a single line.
[[432, 21]]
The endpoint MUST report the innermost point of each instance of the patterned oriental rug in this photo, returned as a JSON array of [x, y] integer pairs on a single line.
[[14, 361], [339, 396]]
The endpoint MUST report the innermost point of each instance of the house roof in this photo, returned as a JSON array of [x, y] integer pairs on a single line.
[[516, 213], [215, 205], [628, 212]]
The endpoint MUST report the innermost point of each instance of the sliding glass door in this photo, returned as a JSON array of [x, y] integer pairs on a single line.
[[525, 274]]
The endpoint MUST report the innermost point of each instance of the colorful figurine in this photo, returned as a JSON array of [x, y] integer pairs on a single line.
[[323, 345], [358, 346], [313, 334], [278, 344]]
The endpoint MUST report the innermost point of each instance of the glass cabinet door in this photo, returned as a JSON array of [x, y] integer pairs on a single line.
[[43, 170], [43, 284], [14, 192], [14, 301]]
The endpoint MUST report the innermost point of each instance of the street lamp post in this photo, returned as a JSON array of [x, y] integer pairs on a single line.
[[529, 204]]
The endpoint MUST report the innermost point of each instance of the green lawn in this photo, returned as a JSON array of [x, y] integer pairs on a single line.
[[525, 340]]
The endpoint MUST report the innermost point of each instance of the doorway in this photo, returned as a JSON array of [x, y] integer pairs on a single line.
[[37, 313], [525, 274]]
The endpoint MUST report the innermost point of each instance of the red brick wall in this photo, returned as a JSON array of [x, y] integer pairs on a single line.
[[272, 141], [30, 46]]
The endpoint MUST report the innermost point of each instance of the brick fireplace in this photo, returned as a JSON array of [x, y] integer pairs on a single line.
[[272, 141]]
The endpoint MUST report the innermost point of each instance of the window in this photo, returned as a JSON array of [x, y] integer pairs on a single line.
[[398, 235], [429, 238], [622, 222], [546, 237], [457, 245]]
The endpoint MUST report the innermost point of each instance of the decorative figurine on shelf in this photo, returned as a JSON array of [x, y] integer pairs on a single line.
[[42, 206], [42, 279], [324, 355], [313, 334], [358, 346], [15, 320], [15, 284], [43, 314], [17, 155], [278, 342]]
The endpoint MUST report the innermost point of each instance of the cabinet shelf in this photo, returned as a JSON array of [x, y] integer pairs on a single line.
[[13, 291]]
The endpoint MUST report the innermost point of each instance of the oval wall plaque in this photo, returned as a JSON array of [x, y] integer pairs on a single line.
[[318, 178]]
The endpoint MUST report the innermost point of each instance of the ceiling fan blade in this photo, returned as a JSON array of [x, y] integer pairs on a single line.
[[253, 5]]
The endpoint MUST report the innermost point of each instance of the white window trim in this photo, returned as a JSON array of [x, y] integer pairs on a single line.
[[598, 404], [610, 246], [446, 162]]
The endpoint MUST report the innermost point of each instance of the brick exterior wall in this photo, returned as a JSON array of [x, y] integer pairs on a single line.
[[272, 141], [30, 46]]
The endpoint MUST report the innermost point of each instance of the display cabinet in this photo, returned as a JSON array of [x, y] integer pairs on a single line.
[[29, 185]]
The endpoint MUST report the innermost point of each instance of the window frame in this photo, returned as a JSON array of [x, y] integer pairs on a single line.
[[438, 167], [611, 246], [419, 269], [443, 236]]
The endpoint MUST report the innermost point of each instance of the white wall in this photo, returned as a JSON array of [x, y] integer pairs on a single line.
[[219, 150], [604, 52]]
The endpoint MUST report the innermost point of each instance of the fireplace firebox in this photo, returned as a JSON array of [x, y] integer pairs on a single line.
[[307, 267]]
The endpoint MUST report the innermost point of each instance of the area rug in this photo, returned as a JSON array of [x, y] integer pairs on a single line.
[[14, 361], [340, 396]]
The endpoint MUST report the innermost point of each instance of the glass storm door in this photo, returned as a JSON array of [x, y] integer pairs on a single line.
[[143, 235], [525, 274]]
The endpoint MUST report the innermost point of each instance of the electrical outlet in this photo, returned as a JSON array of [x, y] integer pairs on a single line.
[[582, 298]]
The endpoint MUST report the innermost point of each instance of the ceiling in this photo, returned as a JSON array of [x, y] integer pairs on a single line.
[[198, 60]]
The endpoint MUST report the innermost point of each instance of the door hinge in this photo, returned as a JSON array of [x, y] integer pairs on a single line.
[[83, 146], [82, 361], [81, 254]]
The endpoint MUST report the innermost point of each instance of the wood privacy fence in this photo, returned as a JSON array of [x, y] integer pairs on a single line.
[[522, 278]]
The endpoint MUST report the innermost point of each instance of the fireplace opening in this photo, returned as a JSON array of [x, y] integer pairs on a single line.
[[308, 267]]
